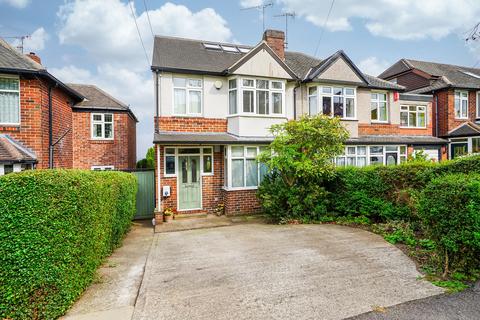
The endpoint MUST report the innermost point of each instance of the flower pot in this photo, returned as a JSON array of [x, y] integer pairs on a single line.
[[167, 218]]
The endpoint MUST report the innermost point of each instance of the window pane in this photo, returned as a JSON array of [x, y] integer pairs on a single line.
[[404, 119], [189, 150], [195, 102], [376, 150], [232, 84], [8, 168], [361, 161], [374, 112], [180, 104], [108, 118], [247, 101], [464, 108], [170, 165], [412, 108], [412, 119], [262, 102], [247, 83], [184, 170], [9, 107], [252, 152], [350, 161], [340, 162], [312, 90], [403, 150], [207, 150], [382, 97], [374, 96], [362, 150], [326, 90], [327, 105], [338, 91], [376, 160], [350, 107], [277, 102], [193, 164], [169, 150], [391, 148], [237, 173], [9, 84], [97, 130], [108, 130], [237, 151], [180, 82], [349, 92], [196, 83], [383, 111], [252, 173], [312, 105], [277, 85], [207, 164], [232, 102], [351, 150], [475, 145], [421, 119], [263, 171], [338, 106], [262, 84]]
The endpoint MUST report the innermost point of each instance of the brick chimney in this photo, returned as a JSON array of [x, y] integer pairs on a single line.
[[34, 57], [276, 40]]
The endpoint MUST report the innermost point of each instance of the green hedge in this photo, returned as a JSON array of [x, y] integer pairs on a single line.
[[56, 227]]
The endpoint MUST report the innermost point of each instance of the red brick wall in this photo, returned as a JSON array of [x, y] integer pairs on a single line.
[[241, 201], [276, 40], [446, 110], [119, 152], [196, 124], [33, 129]]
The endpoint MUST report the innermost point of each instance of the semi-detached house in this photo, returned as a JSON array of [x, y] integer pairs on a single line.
[[215, 103]]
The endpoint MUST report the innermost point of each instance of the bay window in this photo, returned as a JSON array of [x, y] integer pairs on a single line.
[[245, 170], [187, 96], [9, 100], [379, 109], [413, 116], [256, 96], [334, 101], [461, 104]]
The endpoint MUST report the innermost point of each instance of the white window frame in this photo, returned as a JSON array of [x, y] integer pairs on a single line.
[[102, 168], [401, 156], [320, 94], [102, 123], [416, 112], [240, 88], [377, 102], [187, 89], [176, 154], [17, 167], [228, 158], [19, 105], [477, 113], [461, 98]]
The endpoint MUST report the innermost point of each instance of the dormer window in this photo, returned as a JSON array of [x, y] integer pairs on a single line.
[[332, 101], [256, 96]]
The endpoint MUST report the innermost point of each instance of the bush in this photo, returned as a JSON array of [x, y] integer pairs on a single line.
[[56, 227], [449, 208]]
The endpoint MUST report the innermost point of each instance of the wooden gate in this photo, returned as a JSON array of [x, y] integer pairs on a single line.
[[145, 194]]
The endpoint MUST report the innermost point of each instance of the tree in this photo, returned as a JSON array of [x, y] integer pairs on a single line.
[[305, 148], [149, 161]]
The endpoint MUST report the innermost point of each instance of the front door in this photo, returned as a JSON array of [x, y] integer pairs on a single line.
[[458, 149], [189, 187], [392, 158]]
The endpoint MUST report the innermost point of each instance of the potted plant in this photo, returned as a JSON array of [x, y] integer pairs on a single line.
[[167, 214]]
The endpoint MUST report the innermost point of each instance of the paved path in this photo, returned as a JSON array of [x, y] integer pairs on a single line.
[[261, 271], [459, 306]]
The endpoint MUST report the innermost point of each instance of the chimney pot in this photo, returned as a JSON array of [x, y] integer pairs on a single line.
[[34, 57], [275, 40]]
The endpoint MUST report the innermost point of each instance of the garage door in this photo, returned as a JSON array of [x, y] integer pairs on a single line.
[[432, 153]]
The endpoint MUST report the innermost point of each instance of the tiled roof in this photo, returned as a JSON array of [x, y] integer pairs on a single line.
[[177, 54], [465, 130], [205, 138], [13, 151], [11, 58]]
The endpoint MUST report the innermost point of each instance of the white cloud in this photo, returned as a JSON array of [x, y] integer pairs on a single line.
[[373, 66], [106, 31], [19, 4], [35, 42], [250, 3], [401, 20]]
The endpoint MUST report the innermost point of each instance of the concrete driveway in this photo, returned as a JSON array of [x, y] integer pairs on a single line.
[[259, 271]]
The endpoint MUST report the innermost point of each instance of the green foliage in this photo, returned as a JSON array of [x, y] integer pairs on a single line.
[[449, 208], [304, 149], [452, 286], [149, 161], [418, 156], [56, 227]]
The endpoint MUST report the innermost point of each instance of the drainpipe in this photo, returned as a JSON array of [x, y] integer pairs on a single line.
[[50, 129], [436, 113], [295, 101], [157, 129]]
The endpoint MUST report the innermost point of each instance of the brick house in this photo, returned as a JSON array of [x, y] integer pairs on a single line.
[[42, 124], [215, 103], [104, 131], [456, 99]]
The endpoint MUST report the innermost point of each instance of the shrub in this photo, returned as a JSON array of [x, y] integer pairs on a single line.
[[56, 227], [449, 207]]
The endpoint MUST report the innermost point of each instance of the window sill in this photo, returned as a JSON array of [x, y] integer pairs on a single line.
[[193, 115], [254, 115], [169, 176], [461, 118], [424, 128], [379, 122], [239, 188], [102, 141], [348, 119]]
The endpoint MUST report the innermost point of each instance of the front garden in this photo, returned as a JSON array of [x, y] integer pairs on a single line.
[[431, 210], [56, 227]]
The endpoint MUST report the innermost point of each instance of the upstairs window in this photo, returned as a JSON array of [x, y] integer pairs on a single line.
[[379, 109], [478, 105], [461, 104], [332, 101], [413, 116], [187, 96], [9, 101], [102, 126], [256, 96]]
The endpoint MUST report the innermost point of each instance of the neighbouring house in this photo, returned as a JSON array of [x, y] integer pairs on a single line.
[[104, 131], [215, 103], [45, 123], [456, 99], [35, 114]]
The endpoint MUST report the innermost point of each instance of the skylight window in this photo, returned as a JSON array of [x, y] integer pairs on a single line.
[[243, 50], [230, 49], [212, 46], [471, 74]]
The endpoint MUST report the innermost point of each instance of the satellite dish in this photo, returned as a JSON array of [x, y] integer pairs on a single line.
[[218, 84]]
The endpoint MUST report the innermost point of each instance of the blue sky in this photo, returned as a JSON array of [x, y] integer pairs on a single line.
[[95, 41]]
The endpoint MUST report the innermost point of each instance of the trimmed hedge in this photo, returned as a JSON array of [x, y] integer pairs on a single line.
[[56, 227]]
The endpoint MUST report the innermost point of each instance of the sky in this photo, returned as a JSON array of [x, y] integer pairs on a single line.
[[97, 41]]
